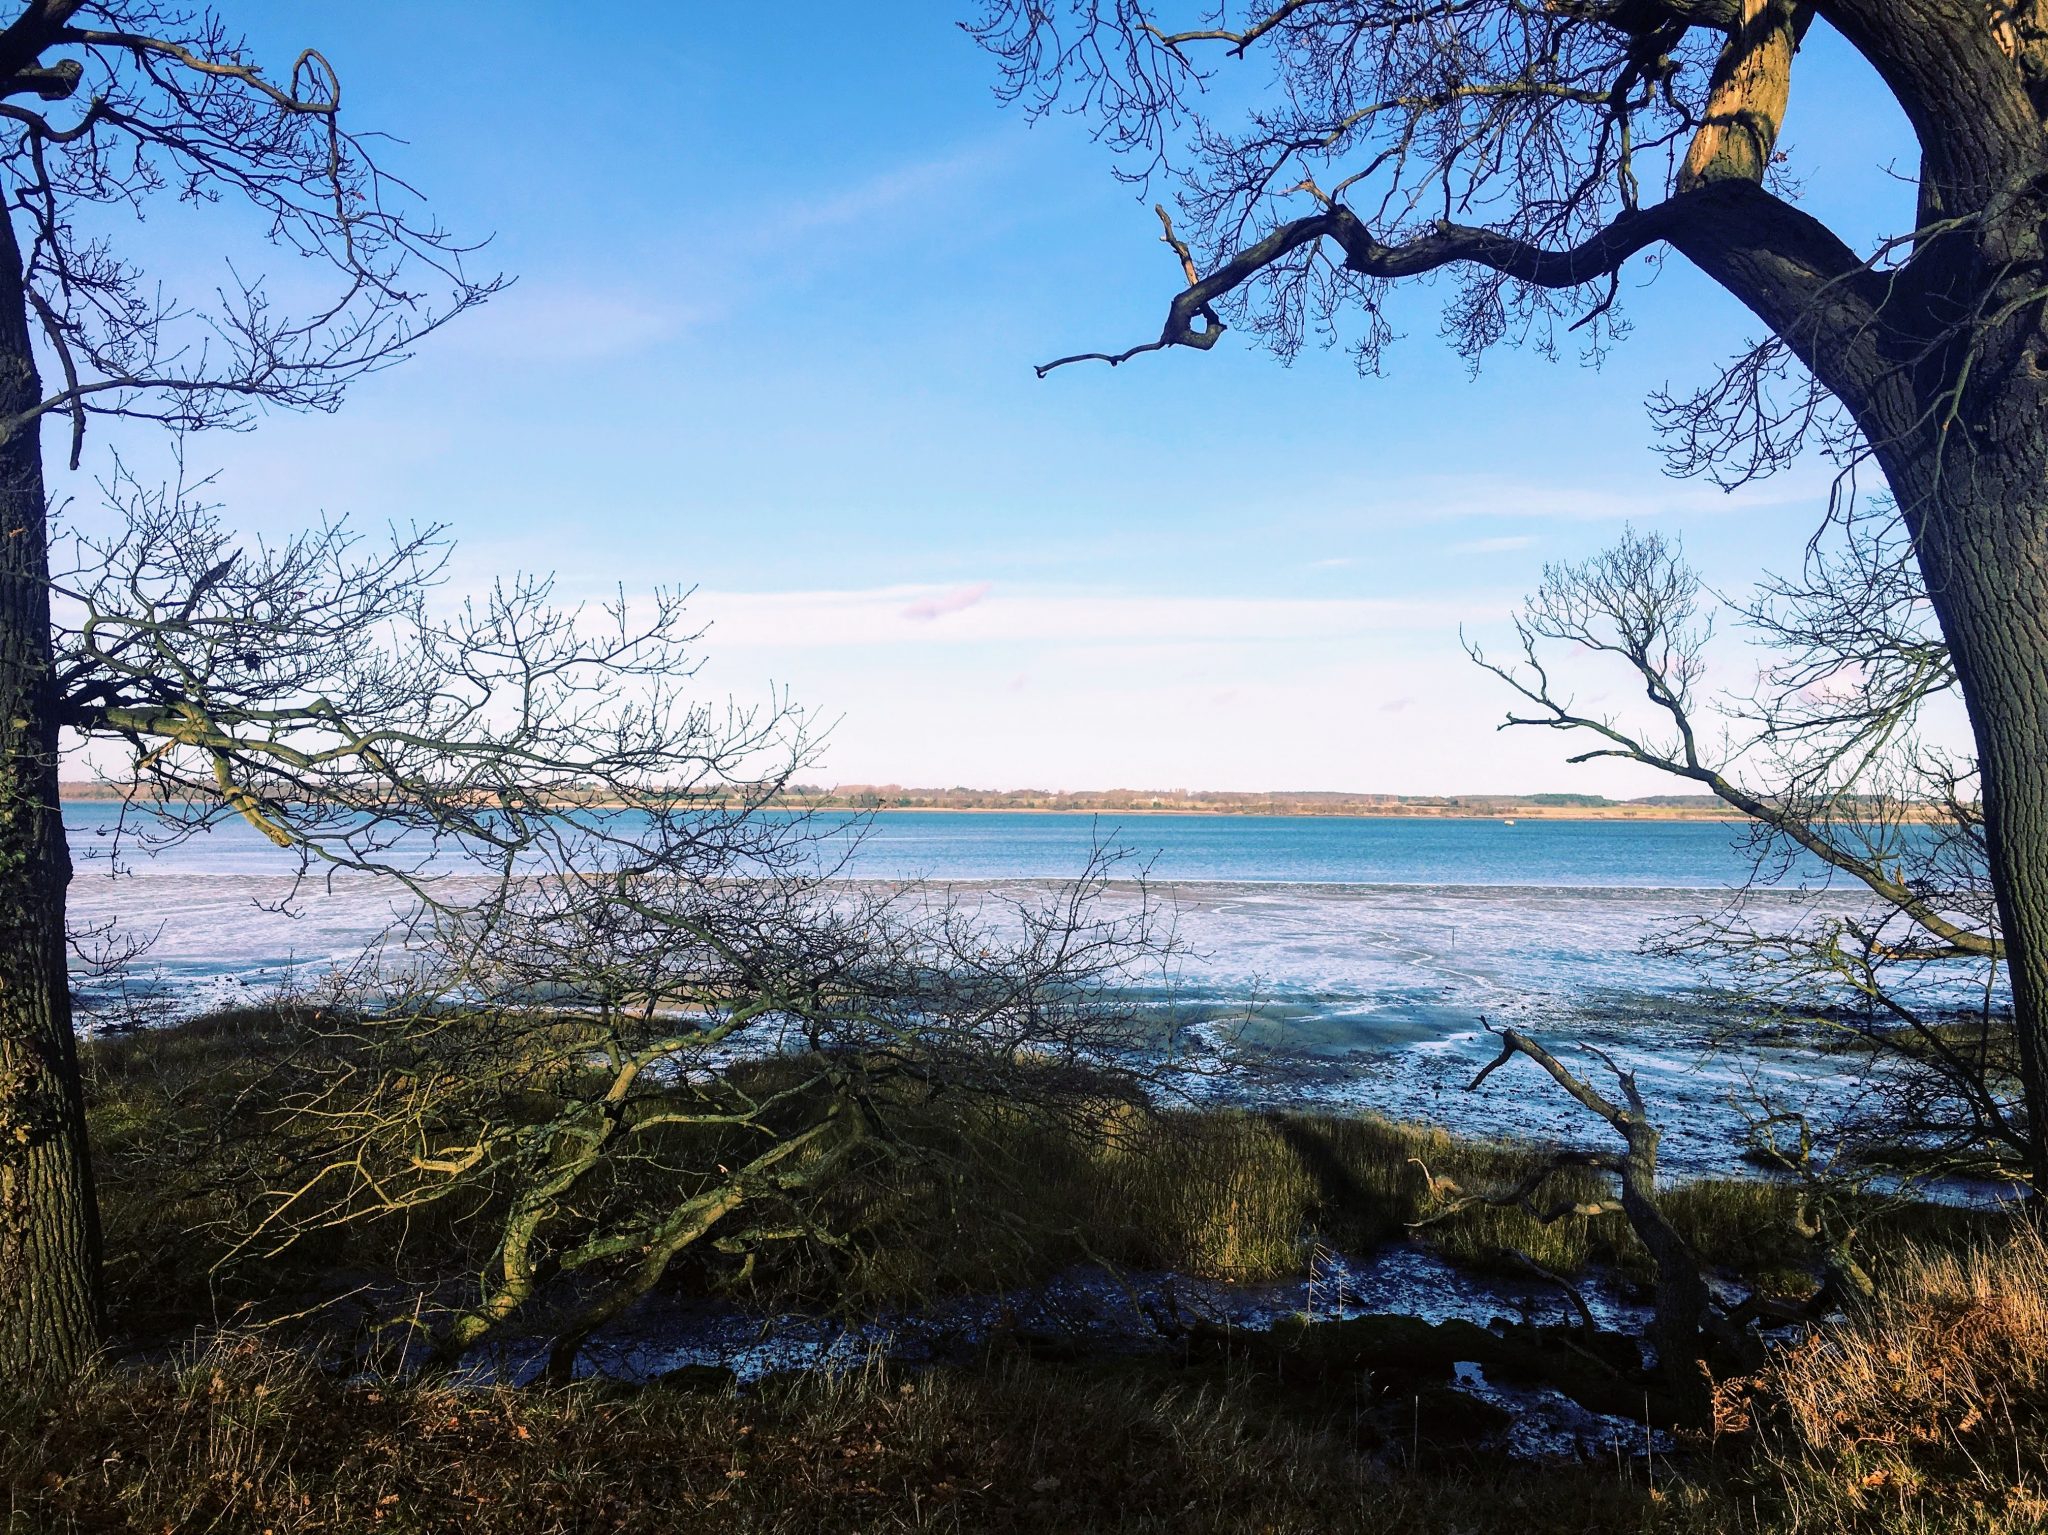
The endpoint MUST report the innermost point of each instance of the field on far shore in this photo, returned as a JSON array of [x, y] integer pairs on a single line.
[[1365, 807]]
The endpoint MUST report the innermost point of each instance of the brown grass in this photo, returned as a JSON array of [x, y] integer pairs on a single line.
[[1930, 1410], [1925, 1415], [245, 1438], [1001, 1197], [1930, 1413]]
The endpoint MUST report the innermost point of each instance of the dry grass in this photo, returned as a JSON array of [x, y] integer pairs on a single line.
[[1925, 1415], [1930, 1411], [998, 1197], [245, 1438], [1928, 1414]]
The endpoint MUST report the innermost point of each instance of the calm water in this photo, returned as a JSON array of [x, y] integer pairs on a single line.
[[909, 844], [1405, 922]]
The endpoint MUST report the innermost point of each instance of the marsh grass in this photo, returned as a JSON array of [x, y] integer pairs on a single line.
[[1924, 1414], [963, 1194], [1246, 1196], [1935, 1400]]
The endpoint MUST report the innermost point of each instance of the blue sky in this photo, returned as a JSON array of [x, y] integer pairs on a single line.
[[781, 280]]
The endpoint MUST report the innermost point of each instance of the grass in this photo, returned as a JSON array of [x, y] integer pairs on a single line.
[[1937, 1397], [1929, 1413], [997, 1197], [245, 1438]]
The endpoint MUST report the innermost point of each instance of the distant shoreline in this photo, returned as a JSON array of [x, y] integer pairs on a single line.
[[1586, 813], [1305, 807], [892, 799]]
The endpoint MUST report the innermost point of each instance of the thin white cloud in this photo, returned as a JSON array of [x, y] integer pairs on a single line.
[[880, 192], [592, 315], [1448, 498], [904, 615], [571, 321], [1502, 545]]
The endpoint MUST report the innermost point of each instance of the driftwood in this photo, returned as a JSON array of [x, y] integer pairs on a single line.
[[1691, 1332], [1683, 1300]]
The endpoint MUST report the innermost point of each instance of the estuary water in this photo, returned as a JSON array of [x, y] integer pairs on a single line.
[[1339, 960]]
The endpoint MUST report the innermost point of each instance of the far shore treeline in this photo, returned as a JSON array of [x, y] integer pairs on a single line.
[[1278, 802]]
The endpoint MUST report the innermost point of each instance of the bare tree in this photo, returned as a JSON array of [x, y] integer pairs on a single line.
[[1683, 1301], [632, 1004], [690, 1045], [1532, 150], [108, 108], [1826, 757], [328, 692], [1693, 1330]]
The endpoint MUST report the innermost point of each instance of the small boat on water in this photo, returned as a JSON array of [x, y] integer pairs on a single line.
[[1507, 822]]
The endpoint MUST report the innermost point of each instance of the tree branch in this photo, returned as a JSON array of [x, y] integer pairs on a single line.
[[1783, 263]]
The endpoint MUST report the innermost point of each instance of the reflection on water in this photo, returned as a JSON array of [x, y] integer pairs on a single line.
[[1097, 1313]]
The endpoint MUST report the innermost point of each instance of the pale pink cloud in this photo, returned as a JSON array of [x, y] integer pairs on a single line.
[[1838, 686], [928, 608]]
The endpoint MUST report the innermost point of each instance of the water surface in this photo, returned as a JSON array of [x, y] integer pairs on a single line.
[[1365, 951]]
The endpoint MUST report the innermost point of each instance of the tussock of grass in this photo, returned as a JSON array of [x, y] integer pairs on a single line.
[[1929, 1411], [1244, 1196]]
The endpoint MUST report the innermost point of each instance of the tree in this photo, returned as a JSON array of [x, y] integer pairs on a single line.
[[1825, 755], [629, 1006], [1683, 1300], [1533, 147], [1695, 1331], [628, 1010], [723, 1052], [108, 107], [529, 782]]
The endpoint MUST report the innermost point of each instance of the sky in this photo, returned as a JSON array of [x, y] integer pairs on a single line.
[[781, 277]]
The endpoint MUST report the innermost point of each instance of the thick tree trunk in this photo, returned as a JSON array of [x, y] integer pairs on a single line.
[[1980, 522], [49, 1228], [1958, 421]]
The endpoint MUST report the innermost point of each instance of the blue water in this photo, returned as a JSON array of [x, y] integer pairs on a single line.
[[1691, 855], [973, 845]]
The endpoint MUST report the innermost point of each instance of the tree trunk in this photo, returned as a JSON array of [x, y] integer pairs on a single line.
[[1980, 525], [1679, 1320], [49, 1225]]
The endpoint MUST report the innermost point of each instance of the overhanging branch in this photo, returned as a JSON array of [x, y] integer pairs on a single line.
[[1782, 263]]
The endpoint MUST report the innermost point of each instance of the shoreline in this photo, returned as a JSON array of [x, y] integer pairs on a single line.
[[862, 800], [1283, 813], [1660, 814]]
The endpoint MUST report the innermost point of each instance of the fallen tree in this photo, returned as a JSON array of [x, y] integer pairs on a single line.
[[686, 1041], [1695, 1335]]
